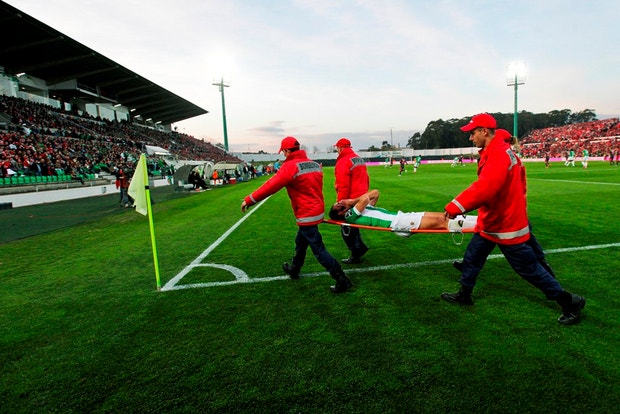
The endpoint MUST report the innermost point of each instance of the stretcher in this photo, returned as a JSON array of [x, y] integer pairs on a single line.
[[361, 226], [455, 234]]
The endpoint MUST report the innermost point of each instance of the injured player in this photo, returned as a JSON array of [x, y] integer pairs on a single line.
[[363, 211]]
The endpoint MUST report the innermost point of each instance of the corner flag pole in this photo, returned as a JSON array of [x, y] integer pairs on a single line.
[[139, 190], [150, 216]]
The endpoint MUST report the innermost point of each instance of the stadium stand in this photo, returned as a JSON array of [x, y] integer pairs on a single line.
[[600, 138], [66, 111], [42, 141]]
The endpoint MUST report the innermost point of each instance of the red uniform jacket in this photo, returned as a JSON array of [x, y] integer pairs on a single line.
[[303, 179], [498, 194], [351, 175]]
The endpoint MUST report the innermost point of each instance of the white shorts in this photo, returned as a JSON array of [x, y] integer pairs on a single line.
[[405, 222]]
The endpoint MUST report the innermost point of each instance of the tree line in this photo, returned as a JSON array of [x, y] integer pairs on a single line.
[[447, 134]]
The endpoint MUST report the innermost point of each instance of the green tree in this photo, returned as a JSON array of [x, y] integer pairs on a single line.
[[447, 134], [558, 118], [587, 115], [415, 141]]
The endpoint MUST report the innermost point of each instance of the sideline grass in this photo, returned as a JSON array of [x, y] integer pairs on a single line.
[[84, 330]]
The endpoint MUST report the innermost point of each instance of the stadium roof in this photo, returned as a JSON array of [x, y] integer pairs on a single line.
[[72, 70]]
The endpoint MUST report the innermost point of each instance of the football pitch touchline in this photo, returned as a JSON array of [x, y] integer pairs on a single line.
[[242, 277], [574, 181]]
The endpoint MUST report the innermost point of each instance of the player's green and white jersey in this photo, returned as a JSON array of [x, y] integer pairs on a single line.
[[370, 216]]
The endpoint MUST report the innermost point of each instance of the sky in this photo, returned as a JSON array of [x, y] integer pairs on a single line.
[[368, 70]]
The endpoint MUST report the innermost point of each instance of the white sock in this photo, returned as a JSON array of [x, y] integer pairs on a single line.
[[460, 223]]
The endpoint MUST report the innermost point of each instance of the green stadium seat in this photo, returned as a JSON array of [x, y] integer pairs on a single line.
[[21, 180], [52, 178], [38, 179], [7, 180]]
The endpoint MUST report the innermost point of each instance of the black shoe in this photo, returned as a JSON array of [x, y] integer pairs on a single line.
[[291, 270], [342, 285], [342, 282], [459, 297], [572, 313], [352, 260], [458, 266]]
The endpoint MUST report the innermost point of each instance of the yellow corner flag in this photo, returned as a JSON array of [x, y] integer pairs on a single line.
[[139, 191], [138, 185]]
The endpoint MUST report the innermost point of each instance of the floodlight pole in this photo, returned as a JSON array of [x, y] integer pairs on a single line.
[[222, 85], [515, 124], [516, 77]]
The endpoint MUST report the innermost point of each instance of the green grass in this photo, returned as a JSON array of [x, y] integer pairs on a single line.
[[83, 328]]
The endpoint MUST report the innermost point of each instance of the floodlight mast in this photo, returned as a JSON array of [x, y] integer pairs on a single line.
[[221, 86], [515, 76]]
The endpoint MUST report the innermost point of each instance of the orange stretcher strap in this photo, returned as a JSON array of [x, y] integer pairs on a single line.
[[361, 226]]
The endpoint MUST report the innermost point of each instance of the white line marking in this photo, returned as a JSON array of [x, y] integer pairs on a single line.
[[573, 181], [242, 277]]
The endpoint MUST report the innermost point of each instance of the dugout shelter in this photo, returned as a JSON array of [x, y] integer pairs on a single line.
[[181, 176]]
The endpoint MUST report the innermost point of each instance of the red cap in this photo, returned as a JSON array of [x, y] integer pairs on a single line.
[[289, 143], [503, 135], [480, 121], [343, 143]]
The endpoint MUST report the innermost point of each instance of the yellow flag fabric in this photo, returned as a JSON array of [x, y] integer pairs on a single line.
[[137, 187]]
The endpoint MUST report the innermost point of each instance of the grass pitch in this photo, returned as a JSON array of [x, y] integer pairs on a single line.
[[84, 329]]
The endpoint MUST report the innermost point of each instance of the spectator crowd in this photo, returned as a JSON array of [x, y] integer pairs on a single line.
[[599, 138], [43, 140]]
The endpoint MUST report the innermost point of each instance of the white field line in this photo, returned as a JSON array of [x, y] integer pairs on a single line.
[[242, 277], [572, 181], [239, 274]]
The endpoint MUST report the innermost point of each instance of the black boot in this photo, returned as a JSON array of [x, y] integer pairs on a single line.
[[342, 282], [291, 270], [462, 297], [571, 305], [356, 255], [352, 260]]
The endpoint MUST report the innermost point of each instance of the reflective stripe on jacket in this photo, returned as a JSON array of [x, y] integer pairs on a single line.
[[303, 179]]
